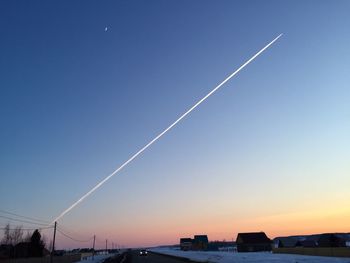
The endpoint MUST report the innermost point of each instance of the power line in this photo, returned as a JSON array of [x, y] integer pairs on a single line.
[[100, 241], [26, 217], [22, 221], [69, 231], [77, 240], [25, 229]]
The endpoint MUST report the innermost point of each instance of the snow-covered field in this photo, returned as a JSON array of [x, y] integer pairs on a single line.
[[256, 257]]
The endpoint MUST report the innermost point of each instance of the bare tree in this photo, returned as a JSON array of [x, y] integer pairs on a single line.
[[17, 235], [12, 236], [7, 235]]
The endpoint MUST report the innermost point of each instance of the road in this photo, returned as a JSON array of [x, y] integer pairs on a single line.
[[153, 258]]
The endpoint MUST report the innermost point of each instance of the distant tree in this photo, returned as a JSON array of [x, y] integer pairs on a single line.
[[17, 235], [36, 244], [12, 236], [6, 240]]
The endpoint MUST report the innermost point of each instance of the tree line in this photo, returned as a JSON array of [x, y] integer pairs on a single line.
[[16, 243]]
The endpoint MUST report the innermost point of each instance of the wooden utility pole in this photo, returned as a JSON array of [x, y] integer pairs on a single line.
[[93, 248], [106, 245], [53, 243]]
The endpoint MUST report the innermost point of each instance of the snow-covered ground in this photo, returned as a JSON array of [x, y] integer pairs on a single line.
[[96, 258], [255, 257]]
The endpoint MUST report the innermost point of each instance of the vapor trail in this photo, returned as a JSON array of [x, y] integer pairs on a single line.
[[165, 131]]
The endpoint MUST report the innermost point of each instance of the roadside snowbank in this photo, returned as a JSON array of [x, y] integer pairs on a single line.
[[255, 257]]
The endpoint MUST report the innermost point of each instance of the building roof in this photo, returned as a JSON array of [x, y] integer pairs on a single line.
[[252, 238]]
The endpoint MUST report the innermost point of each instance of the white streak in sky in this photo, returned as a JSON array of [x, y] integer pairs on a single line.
[[165, 131]]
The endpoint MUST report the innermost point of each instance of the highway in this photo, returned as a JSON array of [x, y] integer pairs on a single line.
[[134, 257]]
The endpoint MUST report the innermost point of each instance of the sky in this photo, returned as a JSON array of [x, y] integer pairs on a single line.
[[268, 152]]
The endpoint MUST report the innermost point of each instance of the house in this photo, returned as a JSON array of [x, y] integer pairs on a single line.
[[331, 240], [186, 243], [200, 242], [252, 242]]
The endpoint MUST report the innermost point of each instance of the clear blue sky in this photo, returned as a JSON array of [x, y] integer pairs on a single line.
[[76, 101]]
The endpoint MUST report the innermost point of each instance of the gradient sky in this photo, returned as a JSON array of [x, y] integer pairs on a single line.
[[269, 151]]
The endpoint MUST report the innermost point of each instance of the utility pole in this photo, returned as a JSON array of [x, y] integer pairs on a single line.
[[93, 248], [53, 242], [106, 245]]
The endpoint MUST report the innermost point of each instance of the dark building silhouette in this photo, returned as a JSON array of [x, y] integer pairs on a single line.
[[286, 242], [200, 242], [331, 240], [186, 243], [252, 242], [306, 243]]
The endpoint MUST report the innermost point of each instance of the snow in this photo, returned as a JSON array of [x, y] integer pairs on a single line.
[[96, 259], [254, 257]]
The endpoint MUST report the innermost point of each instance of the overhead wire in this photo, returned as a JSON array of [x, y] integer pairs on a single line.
[[74, 239], [100, 241], [41, 223], [25, 217], [25, 229], [70, 232], [23, 221]]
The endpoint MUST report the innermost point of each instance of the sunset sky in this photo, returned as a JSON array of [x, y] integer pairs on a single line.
[[268, 152]]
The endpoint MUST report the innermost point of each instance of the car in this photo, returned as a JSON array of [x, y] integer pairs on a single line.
[[143, 252]]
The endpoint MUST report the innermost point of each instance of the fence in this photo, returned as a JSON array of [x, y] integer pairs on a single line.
[[316, 251], [56, 259]]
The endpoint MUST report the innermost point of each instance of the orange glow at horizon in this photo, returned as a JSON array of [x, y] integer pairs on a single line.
[[165, 232]]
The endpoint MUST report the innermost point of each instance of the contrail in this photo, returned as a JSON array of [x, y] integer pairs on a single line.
[[165, 131]]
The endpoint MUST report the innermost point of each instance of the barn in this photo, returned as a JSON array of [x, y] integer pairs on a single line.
[[253, 242]]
